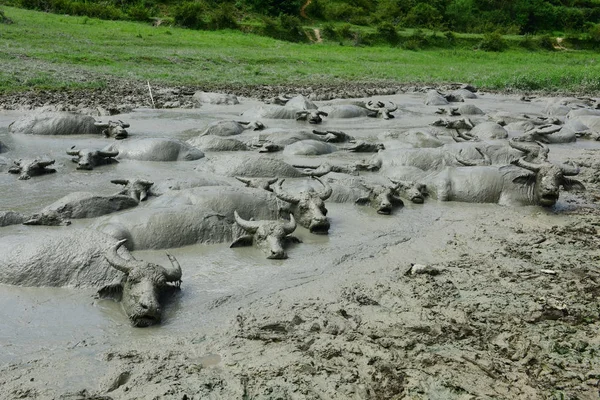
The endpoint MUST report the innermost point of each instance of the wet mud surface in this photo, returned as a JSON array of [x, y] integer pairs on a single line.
[[506, 305]]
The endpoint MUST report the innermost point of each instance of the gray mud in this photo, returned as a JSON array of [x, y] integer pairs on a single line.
[[508, 308]]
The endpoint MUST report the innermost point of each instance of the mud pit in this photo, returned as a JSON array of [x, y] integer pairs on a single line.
[[509, 308]]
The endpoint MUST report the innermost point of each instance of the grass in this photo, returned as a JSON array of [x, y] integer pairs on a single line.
[[47, 51]]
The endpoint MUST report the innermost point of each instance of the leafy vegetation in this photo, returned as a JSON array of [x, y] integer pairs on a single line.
[[557, 18], [47, 51]]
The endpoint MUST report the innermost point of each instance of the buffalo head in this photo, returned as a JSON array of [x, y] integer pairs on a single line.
[[382, 198], [29, 168], [88, 159], [258, 183], [312, 116], [546, 179], [137, 189], [268, 235], [114, 129], [415, 192], [308, 206], [139, 289], [253, 125], [380, 110]]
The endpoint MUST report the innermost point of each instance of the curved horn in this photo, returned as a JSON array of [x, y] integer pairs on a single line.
[[101, 124], [520, 146], [327, 192], [544, 151], [243, 122], [113, 153], [290, 226], [173, 274], [278, 190], [569, 170], [394, 107], [271, 181], [248, 226], [369, 106], [73, 151], [145, 182], [243, 180], [527, 165], [120, 181], [116, 260]]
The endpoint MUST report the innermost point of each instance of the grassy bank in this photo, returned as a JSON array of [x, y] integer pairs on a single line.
[[46, 51]]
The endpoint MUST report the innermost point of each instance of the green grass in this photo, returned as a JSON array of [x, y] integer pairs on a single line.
[[47, 51]]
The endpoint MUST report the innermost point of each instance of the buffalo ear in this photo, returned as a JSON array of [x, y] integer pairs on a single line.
[[111, 291], [362, 201], [245, 240], [572, 184], [526, 179]]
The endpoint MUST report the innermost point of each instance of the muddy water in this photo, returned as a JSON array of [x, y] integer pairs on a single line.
[[70, 324]]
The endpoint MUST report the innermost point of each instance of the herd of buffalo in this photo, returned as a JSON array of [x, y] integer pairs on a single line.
[[250, 182]]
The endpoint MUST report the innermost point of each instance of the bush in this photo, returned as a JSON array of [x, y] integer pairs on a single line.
[[139, 12], [224, 17], [190, 15], [328, 32], [4, 19], [386, 31], [527, 42], [546, 42], [285, 27], [346, 32], [493, 41]]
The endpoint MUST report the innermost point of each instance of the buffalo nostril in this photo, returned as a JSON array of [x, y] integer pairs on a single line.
[[144, 306]]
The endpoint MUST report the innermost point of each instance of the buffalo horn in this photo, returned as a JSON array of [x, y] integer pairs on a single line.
[[243, 180], [290, 226], [527, 165], [120, 181], [173, 274], [393, 108], [326, 193], [278, 190], [248, 226], [73, 151], [101, 124], [116, 260]]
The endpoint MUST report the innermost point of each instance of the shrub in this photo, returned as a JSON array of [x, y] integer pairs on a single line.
[[4, 19], [423, 15], [546, 42], [386, 31], [328, 32], [190, 15], [346, 32], [139, 12], [285, 27], [527, 42], [224, 17], [493, 41]]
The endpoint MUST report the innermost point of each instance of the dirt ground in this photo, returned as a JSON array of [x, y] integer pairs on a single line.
[[505, 307]]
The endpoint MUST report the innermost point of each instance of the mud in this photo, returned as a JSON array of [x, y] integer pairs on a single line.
[[507, 306]]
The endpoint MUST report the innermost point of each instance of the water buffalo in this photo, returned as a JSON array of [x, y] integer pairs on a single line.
[[250, 166], [309, 148], [154, 149], [189, 216], [139, 288], [89, 205], [269, 236], [214, 98], [88, 159], [30, 168], [217, 143], [285, 112], [527, 183], [66, 123], [231, 128], [308, 206], [11, 218]]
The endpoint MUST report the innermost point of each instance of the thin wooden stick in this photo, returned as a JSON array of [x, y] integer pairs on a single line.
[[151, 98]]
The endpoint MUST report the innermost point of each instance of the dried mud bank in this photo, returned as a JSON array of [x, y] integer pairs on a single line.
[[437, 301]]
